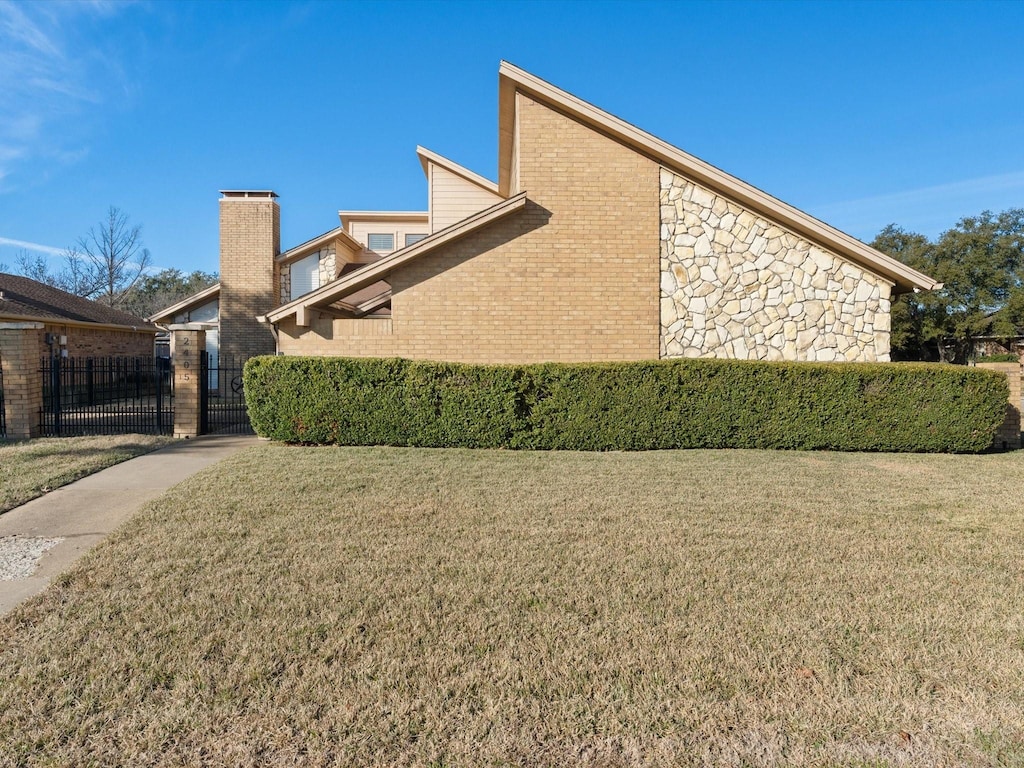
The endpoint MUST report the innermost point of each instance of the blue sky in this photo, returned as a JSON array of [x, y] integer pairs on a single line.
[[860, 113]]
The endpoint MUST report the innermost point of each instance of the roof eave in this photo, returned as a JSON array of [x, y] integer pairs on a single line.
[[513, 79], [10, 317], [196, 299], [426, 157], [341, 287]]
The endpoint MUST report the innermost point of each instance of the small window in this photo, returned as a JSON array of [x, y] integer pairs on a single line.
[[381, 242], [411, 239], [305, 275]]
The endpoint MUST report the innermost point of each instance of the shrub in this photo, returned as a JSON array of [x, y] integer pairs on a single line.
[[626, 406], [1005, 357]]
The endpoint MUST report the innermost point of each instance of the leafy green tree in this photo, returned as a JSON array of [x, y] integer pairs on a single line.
[[980, 262]]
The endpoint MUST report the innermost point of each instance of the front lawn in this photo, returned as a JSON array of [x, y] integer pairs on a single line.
[[407, 607], [30, 468]]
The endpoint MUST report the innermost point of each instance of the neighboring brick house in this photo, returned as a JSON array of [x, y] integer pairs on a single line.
[[75, 327], [38, 321], [598, 242]]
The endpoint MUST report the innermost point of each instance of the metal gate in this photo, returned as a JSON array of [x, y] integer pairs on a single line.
[[106, 396], [222, 396], [3, 412]]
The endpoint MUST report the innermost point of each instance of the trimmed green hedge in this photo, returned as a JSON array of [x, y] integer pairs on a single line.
[[626, 406], [1000, 358]]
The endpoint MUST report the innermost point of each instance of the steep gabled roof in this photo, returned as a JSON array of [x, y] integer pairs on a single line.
[[426, 157], [195, 300], [338, 289], [22, 298], [315, 243], [511, 80]]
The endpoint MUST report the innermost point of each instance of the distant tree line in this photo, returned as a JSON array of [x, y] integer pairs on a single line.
[[980, 263]]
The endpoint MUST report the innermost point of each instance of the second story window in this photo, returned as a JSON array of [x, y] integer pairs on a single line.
[[381, 242], [410, 239]]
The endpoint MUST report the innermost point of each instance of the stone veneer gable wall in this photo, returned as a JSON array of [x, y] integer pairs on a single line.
[[734, 285]]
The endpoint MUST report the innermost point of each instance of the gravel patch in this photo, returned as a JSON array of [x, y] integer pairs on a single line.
[[19, 556]]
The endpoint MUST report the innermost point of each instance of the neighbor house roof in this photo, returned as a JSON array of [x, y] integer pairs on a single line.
[[24, 299], [344, 286], [195, 300], [511, 80]]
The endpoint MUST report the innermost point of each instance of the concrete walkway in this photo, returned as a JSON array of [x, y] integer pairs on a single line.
[[82, 513]]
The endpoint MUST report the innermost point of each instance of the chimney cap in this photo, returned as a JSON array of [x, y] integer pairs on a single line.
[[257, 193]]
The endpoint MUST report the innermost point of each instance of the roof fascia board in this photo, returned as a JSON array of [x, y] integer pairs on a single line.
[[5, 317], [196, 299], [514, 79], [318, 242], [350, 216], [337, 289], [426, 157]]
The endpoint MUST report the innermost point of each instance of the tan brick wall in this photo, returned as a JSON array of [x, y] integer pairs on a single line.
[[90, 342], [1008, 434], [188, 346], [250, 238], [23, 380], [573, 277]]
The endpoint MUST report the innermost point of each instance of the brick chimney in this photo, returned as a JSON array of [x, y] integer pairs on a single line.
[[250, 238]]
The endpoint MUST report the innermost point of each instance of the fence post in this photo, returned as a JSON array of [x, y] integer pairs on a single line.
[[55, 392], [1008, 435], [189, 340], [20, 352]]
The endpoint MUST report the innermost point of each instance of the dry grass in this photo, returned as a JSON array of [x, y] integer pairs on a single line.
[[301, 606], [31, 468]]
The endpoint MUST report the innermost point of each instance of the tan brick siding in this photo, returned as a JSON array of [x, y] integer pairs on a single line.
[[1008, 434], [250, 238], [89, 342], [573, 277], [23, 380]]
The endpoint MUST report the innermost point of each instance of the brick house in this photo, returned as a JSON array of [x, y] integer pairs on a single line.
[[597, 242], [75, 327], [37, 321]]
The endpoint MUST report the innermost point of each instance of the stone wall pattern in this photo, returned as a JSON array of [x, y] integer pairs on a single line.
[[734, 285]]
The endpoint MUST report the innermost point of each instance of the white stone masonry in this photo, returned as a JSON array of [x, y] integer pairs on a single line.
[[734, 285]]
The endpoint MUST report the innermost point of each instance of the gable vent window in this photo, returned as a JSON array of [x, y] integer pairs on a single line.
[[381, 242], [411, 239]]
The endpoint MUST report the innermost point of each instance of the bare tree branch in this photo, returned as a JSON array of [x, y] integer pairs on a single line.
[[113, 257]]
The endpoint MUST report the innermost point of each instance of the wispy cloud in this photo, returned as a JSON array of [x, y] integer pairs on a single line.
[[50, 71], [25, 245], [926, 209]]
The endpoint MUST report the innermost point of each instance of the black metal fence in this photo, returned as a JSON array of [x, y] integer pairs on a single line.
[[104, 396], [3, 412], [222, 397]]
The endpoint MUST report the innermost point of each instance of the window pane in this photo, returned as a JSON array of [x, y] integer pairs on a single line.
[[305, 275], [381, 242], [410, 239]]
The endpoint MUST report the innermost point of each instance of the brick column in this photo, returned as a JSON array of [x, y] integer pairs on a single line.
[[1008, 435], [189, 341], [20, 345]]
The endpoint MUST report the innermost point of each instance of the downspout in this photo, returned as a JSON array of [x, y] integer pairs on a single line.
[[274, 332]]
